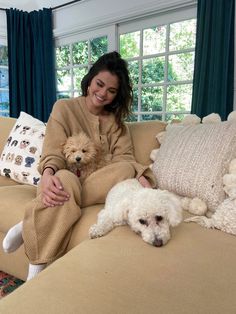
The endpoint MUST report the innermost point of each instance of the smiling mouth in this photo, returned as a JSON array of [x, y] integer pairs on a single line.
[[99, 98]]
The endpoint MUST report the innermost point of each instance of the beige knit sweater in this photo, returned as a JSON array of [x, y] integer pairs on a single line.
[[70, 116]]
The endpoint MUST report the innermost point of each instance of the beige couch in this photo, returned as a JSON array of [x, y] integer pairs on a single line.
[[119, 273]]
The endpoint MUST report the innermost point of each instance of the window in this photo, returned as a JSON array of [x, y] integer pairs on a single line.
[[4, 83], [159, 50], [161, 63], [73, 62]]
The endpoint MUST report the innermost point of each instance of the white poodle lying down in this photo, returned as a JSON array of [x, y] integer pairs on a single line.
[[148, 212]]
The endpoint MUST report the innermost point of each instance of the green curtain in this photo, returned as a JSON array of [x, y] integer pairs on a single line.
[[214, 59], [32, 84]]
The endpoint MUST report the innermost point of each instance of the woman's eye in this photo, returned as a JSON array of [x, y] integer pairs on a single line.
[[113, 92], [99, 84]]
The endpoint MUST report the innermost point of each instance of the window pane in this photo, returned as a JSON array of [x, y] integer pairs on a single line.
[[152, 99], [154, 40], [79, 73], [134, 71], [183, 35], [153, 70], [135, 100], [4, 97], [4, 83], [4, 103], [63, 95], [129, 45], [132, 118], [3, 55], [180, 67], [63, 56], [179, 97], [63, 80], [80, 52], [171, 116], [151, 117], [99, 46]]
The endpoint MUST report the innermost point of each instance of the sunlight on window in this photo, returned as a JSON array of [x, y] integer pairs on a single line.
[[161, 69]]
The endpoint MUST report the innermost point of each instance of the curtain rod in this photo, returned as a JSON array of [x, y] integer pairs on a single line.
[[57, 7]]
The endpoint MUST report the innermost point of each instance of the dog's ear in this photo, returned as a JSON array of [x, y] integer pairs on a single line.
[[68, 140], [98, 149]]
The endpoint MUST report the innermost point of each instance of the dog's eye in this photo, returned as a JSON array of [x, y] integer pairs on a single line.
[[83, 150], [143, 221], [158, 218]]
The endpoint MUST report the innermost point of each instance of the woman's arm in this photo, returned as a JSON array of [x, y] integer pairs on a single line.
[[122, 150]]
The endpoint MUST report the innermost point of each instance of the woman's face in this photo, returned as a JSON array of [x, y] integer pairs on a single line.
[[103, 89]]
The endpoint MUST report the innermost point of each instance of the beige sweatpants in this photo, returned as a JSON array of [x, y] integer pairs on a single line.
[[47, 230]]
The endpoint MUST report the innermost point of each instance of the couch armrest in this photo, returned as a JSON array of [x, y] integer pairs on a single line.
[[143, 136], [6, 124]]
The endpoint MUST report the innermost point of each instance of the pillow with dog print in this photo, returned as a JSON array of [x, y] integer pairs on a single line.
[[193, 159], [22, 151]]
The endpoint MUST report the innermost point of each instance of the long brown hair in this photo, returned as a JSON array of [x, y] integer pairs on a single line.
[[121, 105]]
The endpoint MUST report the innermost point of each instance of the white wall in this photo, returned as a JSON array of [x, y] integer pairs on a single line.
[[97, 13], [90, 14]]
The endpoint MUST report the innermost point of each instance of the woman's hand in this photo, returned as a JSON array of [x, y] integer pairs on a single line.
[[53, 193], [144, 182]]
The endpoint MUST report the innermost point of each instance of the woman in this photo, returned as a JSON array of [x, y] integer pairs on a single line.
[[100, 113]]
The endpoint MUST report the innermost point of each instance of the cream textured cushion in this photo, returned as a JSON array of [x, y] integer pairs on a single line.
[[22, 151], [193, 159]]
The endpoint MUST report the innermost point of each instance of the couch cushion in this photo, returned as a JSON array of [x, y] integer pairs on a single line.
[[193, 159], [81, 229], [13, 199], [143, 135], [4, 181], [119, 273]]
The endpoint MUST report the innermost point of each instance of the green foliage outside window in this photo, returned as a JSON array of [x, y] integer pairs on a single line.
[[160, 60], [161, 69], [73, 62]]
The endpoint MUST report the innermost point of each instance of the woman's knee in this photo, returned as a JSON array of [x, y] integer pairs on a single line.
[[65, 175], [125, 169], [67, 178], [105, 178]]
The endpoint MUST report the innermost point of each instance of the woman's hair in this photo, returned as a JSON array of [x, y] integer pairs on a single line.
[[121, 105]]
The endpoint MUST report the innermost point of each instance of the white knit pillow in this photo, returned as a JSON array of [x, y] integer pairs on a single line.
[[193, 159]]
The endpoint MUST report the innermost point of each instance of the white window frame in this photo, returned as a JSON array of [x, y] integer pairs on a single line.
[[114, 30], [85, 36], [157, 20]]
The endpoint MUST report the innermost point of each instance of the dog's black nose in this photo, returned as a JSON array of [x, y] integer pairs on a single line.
[[157, 242], [78, 159]]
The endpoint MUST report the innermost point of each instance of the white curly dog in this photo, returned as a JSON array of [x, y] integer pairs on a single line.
[[149, 212]]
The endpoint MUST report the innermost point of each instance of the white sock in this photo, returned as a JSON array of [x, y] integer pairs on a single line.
[[13, 239], [35, 270]]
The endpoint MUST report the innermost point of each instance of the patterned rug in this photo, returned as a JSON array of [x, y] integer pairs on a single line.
[[8, 284]]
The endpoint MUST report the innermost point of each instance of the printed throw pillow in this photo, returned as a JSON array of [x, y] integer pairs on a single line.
[[193, 159], [20, 156]]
